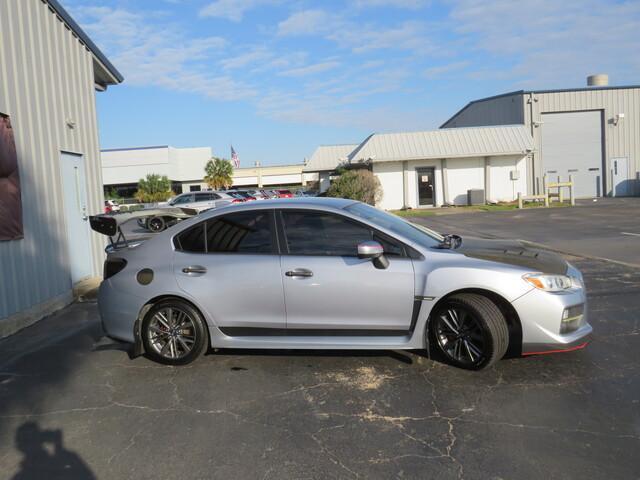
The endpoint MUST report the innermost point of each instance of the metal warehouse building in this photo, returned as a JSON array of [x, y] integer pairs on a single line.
[[49, 72], [590, 133]]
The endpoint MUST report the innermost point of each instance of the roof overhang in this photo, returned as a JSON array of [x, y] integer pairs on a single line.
[[104, 72]]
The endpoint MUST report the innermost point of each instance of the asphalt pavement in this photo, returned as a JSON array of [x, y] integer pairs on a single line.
[[74, 405], [608, 228]]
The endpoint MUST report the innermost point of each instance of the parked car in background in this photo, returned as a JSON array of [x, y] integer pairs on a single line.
[[246, 195], [111, 206], [269, 193], [198, 201], [327, 273], [283, 193], [306, 193], [257, 194], [239, 195]]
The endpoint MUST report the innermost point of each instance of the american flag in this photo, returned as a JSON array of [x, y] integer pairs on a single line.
[[234, 158]]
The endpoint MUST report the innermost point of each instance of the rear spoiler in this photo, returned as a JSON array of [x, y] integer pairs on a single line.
[[110, 225]]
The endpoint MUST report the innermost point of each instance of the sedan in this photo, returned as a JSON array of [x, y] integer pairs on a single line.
[[327, 273]]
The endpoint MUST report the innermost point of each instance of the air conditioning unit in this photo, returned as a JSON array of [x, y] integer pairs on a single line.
[[475, 196]]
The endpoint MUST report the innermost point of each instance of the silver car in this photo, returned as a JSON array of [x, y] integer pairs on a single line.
[[326, 273], [192, 200]]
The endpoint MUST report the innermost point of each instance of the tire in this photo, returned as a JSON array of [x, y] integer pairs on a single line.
[[156, 224], [474, 338], [174, 332]]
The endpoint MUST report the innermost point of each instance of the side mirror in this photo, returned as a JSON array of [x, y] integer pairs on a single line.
[[375, 252]]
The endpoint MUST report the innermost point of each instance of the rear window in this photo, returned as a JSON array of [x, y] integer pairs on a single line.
[[242, 232]]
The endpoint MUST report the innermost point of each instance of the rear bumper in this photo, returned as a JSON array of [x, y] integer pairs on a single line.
[[118, 312]]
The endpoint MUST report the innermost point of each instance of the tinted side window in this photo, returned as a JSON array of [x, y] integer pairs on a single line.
[[317, 233], [391, 247], [192, 240], [183, 199], [246, 232]]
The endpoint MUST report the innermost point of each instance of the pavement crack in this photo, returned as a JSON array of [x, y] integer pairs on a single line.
[[329, 454]]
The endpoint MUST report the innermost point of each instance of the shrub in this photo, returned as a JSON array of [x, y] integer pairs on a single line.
[[361, 185], [154, 188]]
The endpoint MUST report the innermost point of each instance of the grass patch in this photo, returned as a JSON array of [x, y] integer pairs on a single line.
[[498, 207]]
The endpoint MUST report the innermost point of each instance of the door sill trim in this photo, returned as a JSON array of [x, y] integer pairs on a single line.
[[309, 332]]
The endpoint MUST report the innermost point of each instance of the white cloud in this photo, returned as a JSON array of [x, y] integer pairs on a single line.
[[160, 55], [250, 58], [409, 4], [233, 10], [308, 22], [552, 43], [311, 69], [440, 70]]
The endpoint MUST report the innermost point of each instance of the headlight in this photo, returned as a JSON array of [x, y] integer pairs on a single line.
[[552, 283]]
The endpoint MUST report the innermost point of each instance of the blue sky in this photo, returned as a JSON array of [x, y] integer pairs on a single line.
[[278, 77]]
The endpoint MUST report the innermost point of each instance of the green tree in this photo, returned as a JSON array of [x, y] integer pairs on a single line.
[[154, 188], [112, 195], [218, 173], [361, 185]]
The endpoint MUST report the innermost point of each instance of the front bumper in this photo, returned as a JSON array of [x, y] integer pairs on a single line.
[[541, 318]]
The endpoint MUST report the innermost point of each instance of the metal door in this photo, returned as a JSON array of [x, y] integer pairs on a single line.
[[327, 287], [75, 209], [238, 281], [572, 145], [426, 187], [620, 177]]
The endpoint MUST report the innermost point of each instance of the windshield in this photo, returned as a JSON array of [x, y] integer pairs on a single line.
[[416, 233]]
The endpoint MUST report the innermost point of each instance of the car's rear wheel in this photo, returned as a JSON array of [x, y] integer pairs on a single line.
[[173, 332], [156, 224], [469, 331]]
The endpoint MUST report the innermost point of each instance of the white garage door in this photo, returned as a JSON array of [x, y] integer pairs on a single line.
[[572, 145]]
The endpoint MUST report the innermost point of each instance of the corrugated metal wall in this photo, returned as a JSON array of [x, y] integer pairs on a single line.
[[502, 110], [46, 78], [622, 140]]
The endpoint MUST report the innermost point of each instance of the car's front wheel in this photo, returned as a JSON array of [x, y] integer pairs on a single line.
[[469, 331], [174, 332]]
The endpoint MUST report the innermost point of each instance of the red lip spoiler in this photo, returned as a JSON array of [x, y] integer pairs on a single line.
[[561, 350]]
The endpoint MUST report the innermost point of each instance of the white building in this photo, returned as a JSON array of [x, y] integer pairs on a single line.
[[433, 168], [123, 168], [324, 162]]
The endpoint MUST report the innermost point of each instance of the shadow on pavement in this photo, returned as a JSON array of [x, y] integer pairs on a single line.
[[44, 455]]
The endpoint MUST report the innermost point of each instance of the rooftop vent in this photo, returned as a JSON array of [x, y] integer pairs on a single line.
[[598, 80]]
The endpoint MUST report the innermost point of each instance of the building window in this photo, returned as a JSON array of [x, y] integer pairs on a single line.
[[194, 188]]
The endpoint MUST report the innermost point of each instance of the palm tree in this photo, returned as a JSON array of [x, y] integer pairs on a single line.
[[218, 173]]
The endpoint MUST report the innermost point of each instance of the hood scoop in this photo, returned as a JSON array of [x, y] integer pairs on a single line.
[[516, 253]]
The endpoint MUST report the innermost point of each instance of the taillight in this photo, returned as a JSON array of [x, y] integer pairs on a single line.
[[235, 200], [113, 266]]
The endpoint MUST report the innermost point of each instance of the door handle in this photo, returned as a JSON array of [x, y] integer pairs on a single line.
[[299, 272], [194, 269]]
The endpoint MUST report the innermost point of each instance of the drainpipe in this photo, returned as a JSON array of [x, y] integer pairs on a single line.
[[487, 180], [405, 203], [445, 182], [534, 183]]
